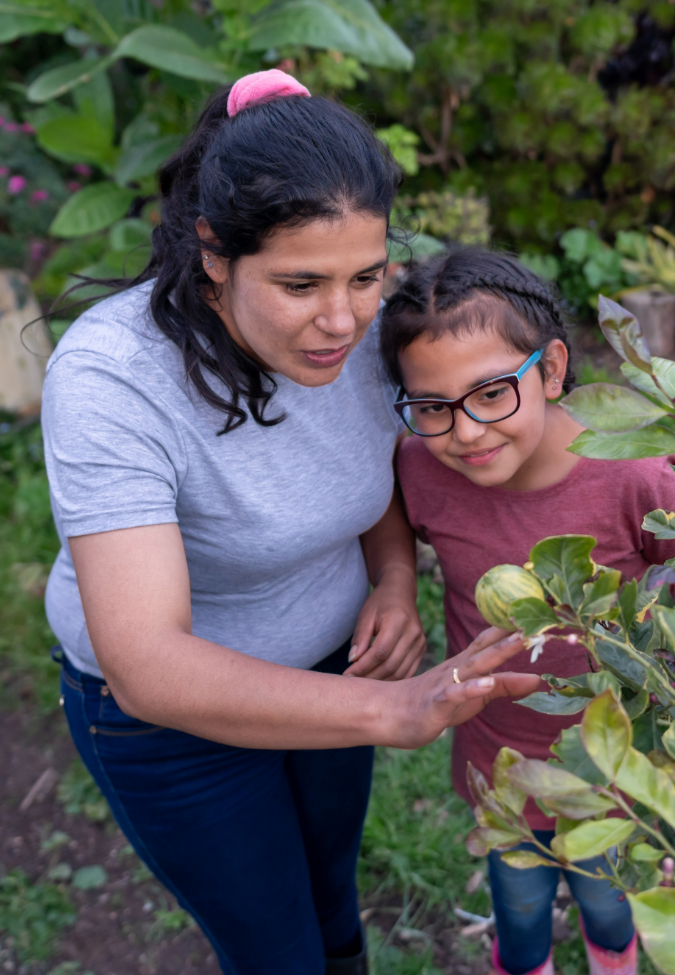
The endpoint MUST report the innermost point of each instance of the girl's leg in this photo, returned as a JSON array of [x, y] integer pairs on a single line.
[[217, 825], [607, 924], [523, 902]]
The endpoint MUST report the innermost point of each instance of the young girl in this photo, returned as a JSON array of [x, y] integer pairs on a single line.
[[478, 346]]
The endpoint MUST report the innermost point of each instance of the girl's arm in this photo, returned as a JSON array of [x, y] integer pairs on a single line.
[[135, 591], [388, 639]]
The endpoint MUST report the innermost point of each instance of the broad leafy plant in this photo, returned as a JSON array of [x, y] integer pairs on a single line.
[[610, 786]]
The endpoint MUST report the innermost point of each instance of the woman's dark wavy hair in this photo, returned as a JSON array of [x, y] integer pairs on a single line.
[[276, 164], [447, 294]]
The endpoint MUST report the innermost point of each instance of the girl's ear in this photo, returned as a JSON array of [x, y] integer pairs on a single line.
[[216, 267], [554, 360]]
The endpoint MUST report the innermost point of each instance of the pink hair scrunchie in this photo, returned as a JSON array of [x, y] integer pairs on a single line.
[[263, 86]]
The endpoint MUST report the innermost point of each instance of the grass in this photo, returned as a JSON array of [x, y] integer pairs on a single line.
[[33, 915]]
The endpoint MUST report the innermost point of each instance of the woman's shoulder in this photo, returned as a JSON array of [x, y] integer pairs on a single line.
[[117, 328]]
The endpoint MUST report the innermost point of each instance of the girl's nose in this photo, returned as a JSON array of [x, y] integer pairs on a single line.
[[466, 430]]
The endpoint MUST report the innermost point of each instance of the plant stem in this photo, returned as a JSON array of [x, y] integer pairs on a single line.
[[570, 866], [643, 660], [617, 797]]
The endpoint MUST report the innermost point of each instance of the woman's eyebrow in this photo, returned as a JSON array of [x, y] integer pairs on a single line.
[[315, 276]]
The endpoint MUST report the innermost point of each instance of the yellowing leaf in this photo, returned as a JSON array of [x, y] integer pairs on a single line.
[[606, 733], [654, 916], [591, 839]]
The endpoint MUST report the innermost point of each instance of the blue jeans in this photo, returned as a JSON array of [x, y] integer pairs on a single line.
[[523, 900], [259, 846]]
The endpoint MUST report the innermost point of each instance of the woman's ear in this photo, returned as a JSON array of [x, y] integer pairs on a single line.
[[216, 267], [554, 359]]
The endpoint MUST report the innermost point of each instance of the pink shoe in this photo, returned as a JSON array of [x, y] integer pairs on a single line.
[[603, 961], [546, 968]]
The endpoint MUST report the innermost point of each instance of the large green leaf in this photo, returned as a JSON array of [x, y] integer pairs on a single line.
[[533, 615], [606, 733], [507, 792], [144, 159], [664, 370], [611, 409], [654, 916], [546, 781], [574, 758], [621, 664], [553, 703], [58, 81], [93, 208], [19, 20], [77, 138], [171, 50], [653, 441], [480, 841], [651, 786], [622, 331], [568, 558], [591, 839], [95, 99], [600, 595], [661, 523], [644, 382], [579, 807], [350, 26]]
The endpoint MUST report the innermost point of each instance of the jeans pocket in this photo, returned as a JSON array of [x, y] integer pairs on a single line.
[[105, 716]]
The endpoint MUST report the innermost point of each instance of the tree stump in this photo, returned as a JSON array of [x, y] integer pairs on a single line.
[[655, 311], [23, 357]]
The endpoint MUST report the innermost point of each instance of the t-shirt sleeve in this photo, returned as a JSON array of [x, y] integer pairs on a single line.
[[658, 491], [115, 457]]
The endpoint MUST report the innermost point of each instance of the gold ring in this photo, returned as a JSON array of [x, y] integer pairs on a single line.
[[455, 676]]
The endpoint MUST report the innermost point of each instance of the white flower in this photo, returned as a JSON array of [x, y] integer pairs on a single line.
[[536, 645]]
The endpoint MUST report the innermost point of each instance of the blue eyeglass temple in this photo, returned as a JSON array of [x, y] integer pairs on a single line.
[[535, 357]]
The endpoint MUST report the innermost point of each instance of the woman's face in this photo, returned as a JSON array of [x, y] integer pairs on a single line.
[[304, 302]]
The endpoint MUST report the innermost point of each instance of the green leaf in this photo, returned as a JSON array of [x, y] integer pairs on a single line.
[[599, 596], [77, 139], [95, 99], [130, 233], [621, 664], [417, 247], [144, 159], [610, 409], [661, 523], [580, 244], [645, 853], [568, 557], [545, 781], [506, 791], [654, 441], [645, 383], [171, 50], [349, 26], [600, 682], [87, 878], [606, 733], [553, 703], [574, 757], [637, 705], [20, 24], [622, 331], [93, 208], [58, 81], [533, 615], [480, 841], [591, 839], [526, 859], [654, 916], [579, 807], [664, 370], [651, 786], [665, 620], [628, 604], [668, 740]]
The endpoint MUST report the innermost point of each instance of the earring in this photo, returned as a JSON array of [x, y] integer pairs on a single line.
[[555, 383], [206, 258]]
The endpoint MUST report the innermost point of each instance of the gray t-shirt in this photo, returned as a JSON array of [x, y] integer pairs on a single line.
[[270, 516]]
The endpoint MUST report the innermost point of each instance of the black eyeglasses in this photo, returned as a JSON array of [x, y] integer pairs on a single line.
[[490, 402]]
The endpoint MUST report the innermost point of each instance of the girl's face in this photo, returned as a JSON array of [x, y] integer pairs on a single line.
[[447, 367], [304, 302]]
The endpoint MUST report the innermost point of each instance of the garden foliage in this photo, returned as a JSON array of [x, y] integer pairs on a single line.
[[610, 787]]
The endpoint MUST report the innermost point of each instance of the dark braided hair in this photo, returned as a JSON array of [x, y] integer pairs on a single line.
[[448, 292]]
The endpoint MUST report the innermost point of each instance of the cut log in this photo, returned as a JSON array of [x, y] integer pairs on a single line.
[[655, 311], [23, 354]]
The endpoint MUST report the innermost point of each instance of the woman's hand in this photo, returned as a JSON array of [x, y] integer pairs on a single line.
[[428, 704], [388, 639]]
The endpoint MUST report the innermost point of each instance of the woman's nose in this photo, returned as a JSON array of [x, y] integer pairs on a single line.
[[337, 317]]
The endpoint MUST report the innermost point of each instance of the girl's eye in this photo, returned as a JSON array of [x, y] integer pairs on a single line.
[[496, 393], [433, 409]]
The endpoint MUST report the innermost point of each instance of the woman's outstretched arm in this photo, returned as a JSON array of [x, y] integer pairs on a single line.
[[135, 591]]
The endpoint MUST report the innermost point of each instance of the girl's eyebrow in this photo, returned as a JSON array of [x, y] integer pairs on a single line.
[[315, 276], [424, 394]]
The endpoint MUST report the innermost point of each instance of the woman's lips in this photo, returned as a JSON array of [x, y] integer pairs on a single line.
[[478, 458], [324, 358]]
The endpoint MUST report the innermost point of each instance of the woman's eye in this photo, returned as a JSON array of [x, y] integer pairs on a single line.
[[300, 289], [367, 278]]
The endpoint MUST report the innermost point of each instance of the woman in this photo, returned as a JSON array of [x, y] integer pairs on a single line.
[[219, 443]]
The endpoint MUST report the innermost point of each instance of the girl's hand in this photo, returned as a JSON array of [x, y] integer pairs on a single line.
[[428, 704], [388, 639]]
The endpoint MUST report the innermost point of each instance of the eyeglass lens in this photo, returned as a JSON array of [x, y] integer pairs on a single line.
[[493, 403]]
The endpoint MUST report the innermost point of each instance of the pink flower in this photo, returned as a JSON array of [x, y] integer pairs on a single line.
[[39, 196], [11, 126], [37, 250], [26, 127], [82, 169], [15, 184], [3, 170], [73, 186]]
